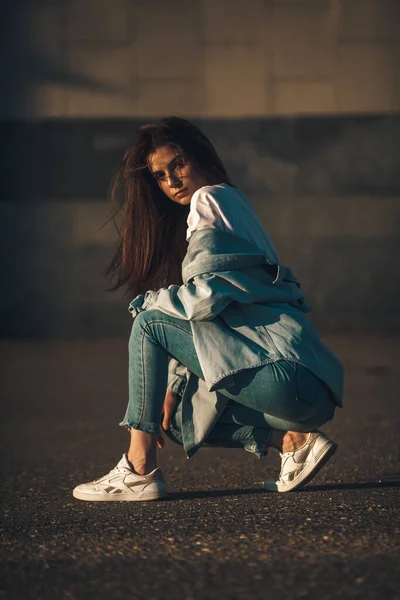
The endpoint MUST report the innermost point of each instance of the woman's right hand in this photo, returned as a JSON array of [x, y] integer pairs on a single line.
[[166, 414], [168, 409]]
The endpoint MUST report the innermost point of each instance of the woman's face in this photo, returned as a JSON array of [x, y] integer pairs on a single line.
[[175, 176]]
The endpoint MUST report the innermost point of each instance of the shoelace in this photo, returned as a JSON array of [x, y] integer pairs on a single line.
[[114, 471]]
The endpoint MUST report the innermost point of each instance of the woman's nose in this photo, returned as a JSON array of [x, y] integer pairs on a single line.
[[173, 180]]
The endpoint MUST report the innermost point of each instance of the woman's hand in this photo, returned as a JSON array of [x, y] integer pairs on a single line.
[[168, 409], [166, 414]]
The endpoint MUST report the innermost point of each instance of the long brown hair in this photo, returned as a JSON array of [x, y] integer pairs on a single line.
[[152, 240]]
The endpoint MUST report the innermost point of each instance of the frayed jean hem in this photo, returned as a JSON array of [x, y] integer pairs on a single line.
[[141, 426], [229, 435], [258, 451]]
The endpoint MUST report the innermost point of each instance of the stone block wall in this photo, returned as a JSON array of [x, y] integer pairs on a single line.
[[300, 97], [203, 58]]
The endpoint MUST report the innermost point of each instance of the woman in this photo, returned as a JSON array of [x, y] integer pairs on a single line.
[[222, 354]]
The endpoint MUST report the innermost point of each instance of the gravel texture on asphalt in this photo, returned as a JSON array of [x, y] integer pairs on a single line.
[[218, 535]]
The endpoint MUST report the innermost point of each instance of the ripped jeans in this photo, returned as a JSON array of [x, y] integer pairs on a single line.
[[281, 395]]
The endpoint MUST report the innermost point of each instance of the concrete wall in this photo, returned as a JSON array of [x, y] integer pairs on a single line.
[[300, 97], [203, 58]]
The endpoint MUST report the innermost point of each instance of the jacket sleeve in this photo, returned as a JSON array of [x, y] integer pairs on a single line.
[[201, 299]]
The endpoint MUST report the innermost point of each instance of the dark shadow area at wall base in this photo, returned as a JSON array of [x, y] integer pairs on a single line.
[[326, 188], [76, 158]]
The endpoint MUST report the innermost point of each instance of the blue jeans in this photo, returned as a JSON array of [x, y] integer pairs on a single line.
[[282, 395]]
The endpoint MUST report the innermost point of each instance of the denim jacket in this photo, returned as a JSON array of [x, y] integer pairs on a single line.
[[244, 312]]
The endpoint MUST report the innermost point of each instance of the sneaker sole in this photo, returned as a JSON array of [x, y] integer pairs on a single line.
[[117, 497], [324, 454]]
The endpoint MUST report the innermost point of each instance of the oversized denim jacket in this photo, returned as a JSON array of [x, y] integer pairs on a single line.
[[244, 313]]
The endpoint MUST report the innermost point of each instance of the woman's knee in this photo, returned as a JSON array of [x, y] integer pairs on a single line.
[[143, 322], [159, 325], [146, 317]]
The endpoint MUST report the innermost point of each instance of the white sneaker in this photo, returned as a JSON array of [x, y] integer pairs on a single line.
[[301, 465], [123, 485]]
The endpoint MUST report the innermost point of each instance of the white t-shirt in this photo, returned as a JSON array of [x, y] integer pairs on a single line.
[[225, 207]]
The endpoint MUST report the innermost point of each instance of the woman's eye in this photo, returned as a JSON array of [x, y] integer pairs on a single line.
[[180, 163], [158, 176]]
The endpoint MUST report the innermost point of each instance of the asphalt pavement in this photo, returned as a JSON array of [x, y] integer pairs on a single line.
[[218, 535]]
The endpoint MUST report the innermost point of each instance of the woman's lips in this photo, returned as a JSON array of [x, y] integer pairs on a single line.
[[181, 192]]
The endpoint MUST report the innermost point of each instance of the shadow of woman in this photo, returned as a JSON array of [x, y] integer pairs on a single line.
[[329, 487]]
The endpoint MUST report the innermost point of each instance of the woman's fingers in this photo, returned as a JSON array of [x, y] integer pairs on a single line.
[[166, 414], [168, 409]]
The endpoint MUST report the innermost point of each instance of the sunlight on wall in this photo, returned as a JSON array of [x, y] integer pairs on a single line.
[[209, 58]]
